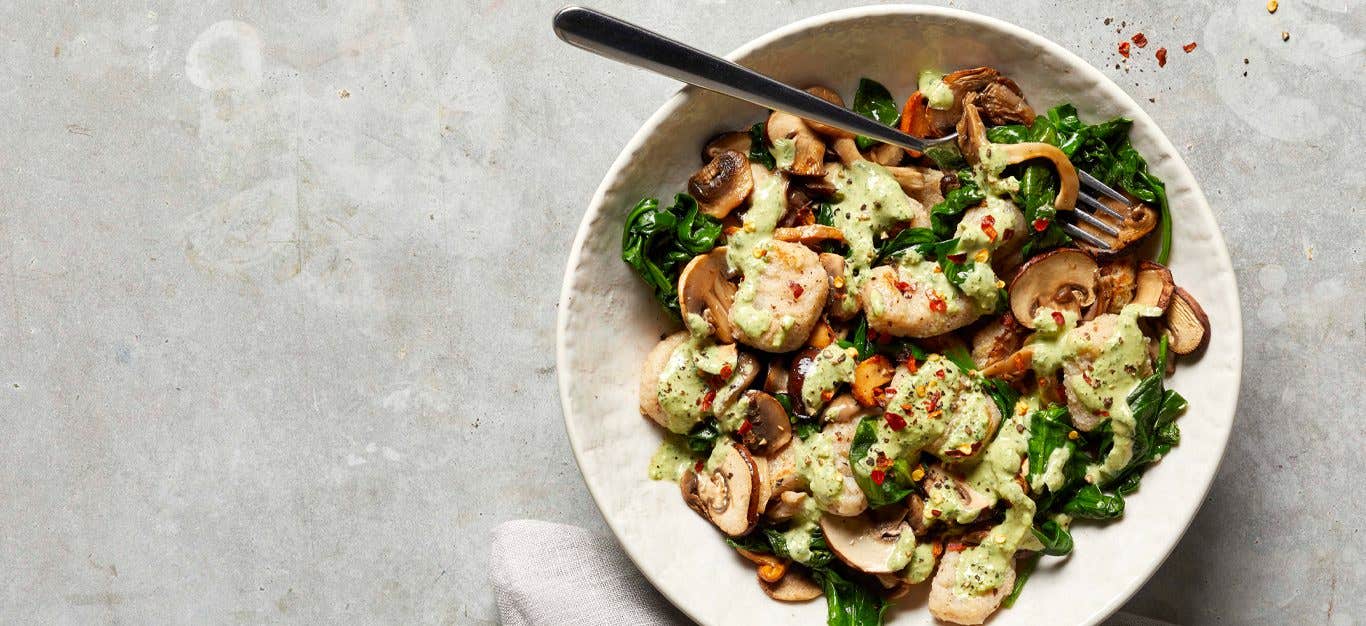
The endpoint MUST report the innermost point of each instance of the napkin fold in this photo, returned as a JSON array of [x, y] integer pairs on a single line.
[[547, 574]]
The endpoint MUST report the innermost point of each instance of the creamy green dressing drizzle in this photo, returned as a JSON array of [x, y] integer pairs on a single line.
[[902, 551], [797, 537], [871, 202], [982, 569], [926, 276], [817, 463], [937, 94], [921, 565], [746, 251], [682, 390], [831, 367], [784, 153], [1111, 375], [671, 459]]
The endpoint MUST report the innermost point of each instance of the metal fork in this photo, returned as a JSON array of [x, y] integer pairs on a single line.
[[622, 41]]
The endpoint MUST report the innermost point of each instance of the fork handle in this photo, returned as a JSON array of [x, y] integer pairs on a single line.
[[622, 41]]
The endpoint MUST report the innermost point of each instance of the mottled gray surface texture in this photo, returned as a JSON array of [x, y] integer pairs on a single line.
[[278, 284]]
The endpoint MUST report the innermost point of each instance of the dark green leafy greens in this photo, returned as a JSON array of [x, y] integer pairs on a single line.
[[873, 101], [1103, 150], [847, 601], [658, 242], [896, 479], [858, 340], [702, 438], [1022, 573], [1090, 503], [945, 214], [758, 147], [1055, 539], [802, 425]]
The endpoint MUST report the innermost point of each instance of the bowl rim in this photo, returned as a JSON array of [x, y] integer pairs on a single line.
[[1111, 91]]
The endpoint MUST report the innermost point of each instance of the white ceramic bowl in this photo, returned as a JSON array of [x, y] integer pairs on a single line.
[[608, 320]]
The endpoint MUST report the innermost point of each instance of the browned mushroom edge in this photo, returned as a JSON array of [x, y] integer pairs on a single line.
[[1062, 279]]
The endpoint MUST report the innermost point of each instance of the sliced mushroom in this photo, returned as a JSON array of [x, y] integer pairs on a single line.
[[727, 495], [1139, 220], [802, 362], [734, 141], [704, 290], [847, 149], [833, 97], [809, 151], [786, 506], [821, 336], [722, 184], [866, 542], [844, 408], [1063, 279], [769, 427], [795, 586], [775, 378], [972, 141], [1186, 323], [839, 288], [870, 376], [1002, 103], [746, 370], [812, 235], [1154, 285]]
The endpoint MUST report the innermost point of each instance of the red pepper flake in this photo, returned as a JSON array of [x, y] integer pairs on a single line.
[[1189, 48], [894, 421], [939, 374], [933, 404], [878, 476], [708, 399], [938, 305], [1140, 40], [1161, 57], [697, 467], [911, 365], [1124, 49], [726, 371], [960, 257], [745, 427], [936, 513], [1058, 318], [797, 290], [989, 227], [905, 287], [1040, 225]]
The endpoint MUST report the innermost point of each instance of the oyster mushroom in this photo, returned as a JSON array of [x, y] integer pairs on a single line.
[[866, 542], [703, 289], [722, 184], [727, 496], [925, 184], [886, 154], [1116, 281], [972, 141], [1187, 325], [769, 427], [1153, 285], [1064, 279], [1138, 220], [736, 141], [808, 150], [833, 97]]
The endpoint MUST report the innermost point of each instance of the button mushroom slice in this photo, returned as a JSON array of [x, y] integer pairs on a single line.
[[1187, 325], [736, 141], [948, 605], [1153, 286], [834, 266], [794, 586], [996, 340], [791, 289], [703, 289], [866, 542], [811, 235], [722, 184], [833, 97], [781, 472], [1063, 279], [746, 370], [972, 141], [654, 365], [802, 362], [769, 427], [727, 495], [775, 377], [808, 149]]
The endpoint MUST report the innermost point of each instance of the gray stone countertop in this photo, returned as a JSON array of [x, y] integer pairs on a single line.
[[278, 283]]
